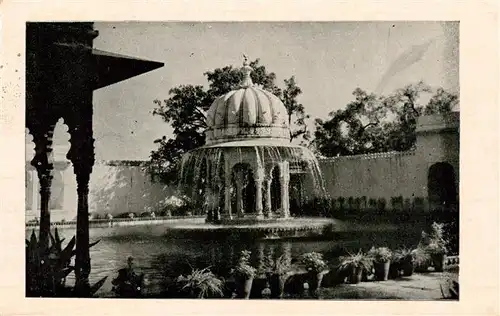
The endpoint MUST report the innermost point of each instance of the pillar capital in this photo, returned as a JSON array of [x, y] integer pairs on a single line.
[[259, 174]]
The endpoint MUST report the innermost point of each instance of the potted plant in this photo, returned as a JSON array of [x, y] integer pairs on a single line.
[[128, 284], [201, 284], [404, 259], [316, 268], [277, 274], [354, 265], [381, 262], [437, 247], [244, 274], [421, 259]]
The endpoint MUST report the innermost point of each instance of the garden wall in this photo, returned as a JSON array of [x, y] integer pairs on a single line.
[[395, 179], [116, 187]]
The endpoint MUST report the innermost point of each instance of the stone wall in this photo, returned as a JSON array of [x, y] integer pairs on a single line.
[[116, 187], [390, 178]]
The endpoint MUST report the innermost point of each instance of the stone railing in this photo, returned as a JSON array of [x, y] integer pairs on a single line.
[[117, 221], [452, 261], [389, 154]]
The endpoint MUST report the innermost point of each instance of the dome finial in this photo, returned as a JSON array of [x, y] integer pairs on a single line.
[[247, 70]]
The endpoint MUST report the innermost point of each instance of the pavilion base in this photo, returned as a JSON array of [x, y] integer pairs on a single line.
[[250, 219]]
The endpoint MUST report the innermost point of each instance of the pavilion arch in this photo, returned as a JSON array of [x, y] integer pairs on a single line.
[[441, 185], [243, 185], [275, 176]]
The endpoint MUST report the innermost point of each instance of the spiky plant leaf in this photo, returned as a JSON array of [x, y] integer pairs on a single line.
[[94, 243], [94, 288]]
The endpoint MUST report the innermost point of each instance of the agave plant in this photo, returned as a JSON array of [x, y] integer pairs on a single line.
[[355, 261], [403, 254], [47, 269], [201, 284]]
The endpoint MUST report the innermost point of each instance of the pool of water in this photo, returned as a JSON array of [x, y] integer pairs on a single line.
[[162, 258]]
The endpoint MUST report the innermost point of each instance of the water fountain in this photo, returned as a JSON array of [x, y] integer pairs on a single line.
[[243, 171]]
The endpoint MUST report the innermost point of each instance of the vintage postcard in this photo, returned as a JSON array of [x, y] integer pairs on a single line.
[[301, 158]]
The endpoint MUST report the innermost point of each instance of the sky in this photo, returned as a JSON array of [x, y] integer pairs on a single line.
[[328, 59]]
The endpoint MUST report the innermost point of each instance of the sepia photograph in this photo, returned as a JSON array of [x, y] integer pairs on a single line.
[[243, 160]]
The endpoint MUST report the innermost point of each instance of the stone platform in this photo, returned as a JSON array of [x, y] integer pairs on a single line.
[[262, 229], [426, 286]]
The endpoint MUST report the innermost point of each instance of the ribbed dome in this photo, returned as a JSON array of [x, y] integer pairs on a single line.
[[248, 112]]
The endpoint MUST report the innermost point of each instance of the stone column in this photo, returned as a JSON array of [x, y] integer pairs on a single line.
[[34, 201], [81, 154], [259, 178], [227, 194], [267, 188], [284, 181], [239, 193], [42, 137]]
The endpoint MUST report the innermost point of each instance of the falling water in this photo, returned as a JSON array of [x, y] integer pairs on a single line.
[[205, 167]]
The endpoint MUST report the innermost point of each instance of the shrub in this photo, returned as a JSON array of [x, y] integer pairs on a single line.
[[380, 254], [201, 284], [436, 241], [313, 261], [403, 254], [354, 261], [243, 268], [281, 266]]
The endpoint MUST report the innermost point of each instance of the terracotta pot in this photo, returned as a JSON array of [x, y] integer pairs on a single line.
[[408, 268], [244, 287], [356, 275], [314, 281], [382, 270], [277, 285], [439, 262], [395, 270]]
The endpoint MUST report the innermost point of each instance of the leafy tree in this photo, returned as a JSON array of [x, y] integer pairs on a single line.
[[372, 123], [185, 110], [295, 110]]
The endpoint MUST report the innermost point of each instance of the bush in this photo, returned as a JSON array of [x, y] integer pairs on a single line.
[[381, 254], [201, 284], [313, 261], [243, 268]]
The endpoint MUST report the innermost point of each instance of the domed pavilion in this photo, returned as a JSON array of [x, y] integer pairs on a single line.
[[243, 171]]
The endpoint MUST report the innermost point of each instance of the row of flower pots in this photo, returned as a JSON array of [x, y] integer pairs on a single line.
[[381, 263], [385, 264]]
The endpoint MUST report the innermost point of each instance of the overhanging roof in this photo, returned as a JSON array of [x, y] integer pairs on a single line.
[[113, 68]]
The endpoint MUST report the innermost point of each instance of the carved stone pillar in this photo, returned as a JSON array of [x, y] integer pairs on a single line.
[[227, 192], [284, 181], [34, 186], [240, 177], [259, 178], [42, 137], [81, 154], [240, 185], [267, 189]]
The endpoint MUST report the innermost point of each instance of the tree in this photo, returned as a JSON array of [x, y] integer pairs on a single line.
[[185, 110], [371, 123], [295, 109]]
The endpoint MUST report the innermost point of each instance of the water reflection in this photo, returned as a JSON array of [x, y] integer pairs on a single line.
[[163, 259]]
